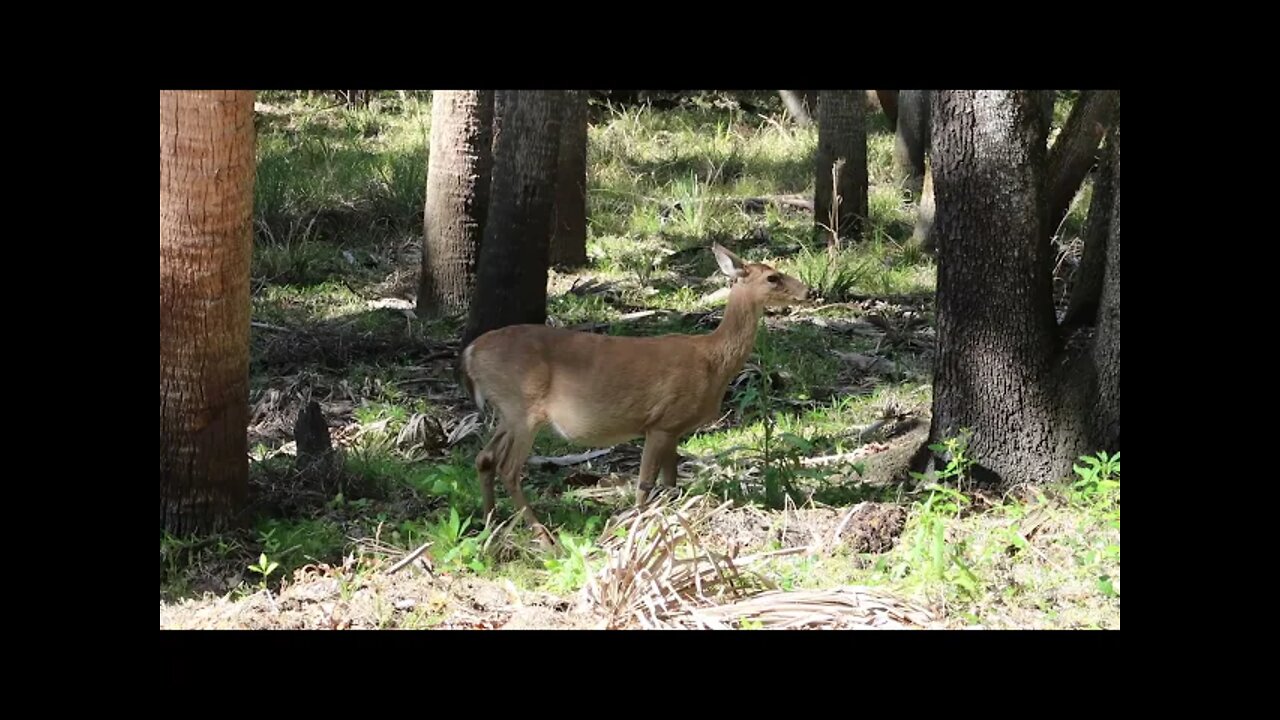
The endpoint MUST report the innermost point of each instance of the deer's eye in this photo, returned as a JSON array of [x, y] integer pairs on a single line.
[[773, 278]]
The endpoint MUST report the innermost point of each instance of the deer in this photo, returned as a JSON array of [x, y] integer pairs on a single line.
[[599, 390]]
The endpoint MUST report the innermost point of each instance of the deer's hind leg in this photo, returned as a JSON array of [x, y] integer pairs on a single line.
[[659, 454], [520, 444], [488, 460]]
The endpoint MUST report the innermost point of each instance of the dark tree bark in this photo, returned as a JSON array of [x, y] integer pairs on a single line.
[[912, 138], [889, 104], [1001, 370], [1105, 406], [1086, 286], [511, 282], [314, 445], [1048, 100], [207, 167], [842, 141], [458, 177], [796, 107], [569, 239], [1075, 151]]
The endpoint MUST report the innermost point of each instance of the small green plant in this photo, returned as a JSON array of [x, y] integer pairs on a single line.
[[929, 556], [955, 451], [570, 569], [264, 568], [454, 552], [1099, 475]]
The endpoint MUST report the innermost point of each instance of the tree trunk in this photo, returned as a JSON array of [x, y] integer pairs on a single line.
[[911, 141], [1000, 371], [795, 105], [842, 142], [1075, 151], [207, 167], [458, 175], [996, 329], [511, 282], [889, 104], [1105, 400], [1086, 286], [569, 239]]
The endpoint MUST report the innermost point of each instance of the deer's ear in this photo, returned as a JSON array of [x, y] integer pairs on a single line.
[[730, 264]]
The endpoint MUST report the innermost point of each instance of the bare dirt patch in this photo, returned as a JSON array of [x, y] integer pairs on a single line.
[[327, 598], [866, 528]]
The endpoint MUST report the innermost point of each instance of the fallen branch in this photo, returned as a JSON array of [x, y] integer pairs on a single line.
[[757, 204], [823, 460], [567, 460], [621, 319], [268, 326], [403, 562]]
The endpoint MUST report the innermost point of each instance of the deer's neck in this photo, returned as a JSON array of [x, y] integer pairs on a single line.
[[736, 336]]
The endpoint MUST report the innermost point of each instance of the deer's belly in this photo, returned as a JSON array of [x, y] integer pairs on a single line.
[[591, 434]]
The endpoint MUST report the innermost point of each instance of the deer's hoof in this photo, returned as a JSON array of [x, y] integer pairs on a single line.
[[544, 536]]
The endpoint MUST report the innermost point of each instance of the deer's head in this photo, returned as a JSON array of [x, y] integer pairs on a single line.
[[767, 286]]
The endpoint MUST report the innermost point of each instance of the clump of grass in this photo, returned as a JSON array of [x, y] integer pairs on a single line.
[[832, 277]]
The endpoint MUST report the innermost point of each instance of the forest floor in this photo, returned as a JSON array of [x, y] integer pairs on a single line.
[[795, 509]]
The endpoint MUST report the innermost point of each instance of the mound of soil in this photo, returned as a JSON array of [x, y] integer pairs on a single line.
[[869, 528]]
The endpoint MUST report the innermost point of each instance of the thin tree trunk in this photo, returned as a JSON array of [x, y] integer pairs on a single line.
[[511, 282], [207, 167], [1001, 371], [1075, 151], [569, 240], [795, 105], [912, 137], [458, 177], [1086, 286], [842, 150], [889, 104]]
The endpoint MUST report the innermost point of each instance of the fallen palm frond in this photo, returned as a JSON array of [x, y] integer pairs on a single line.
[[850, 607], [657, 566], [659, 575]]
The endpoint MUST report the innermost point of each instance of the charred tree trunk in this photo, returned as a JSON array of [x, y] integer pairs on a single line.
[[511, 283], [458, 177], [795, 104], [889, 104], [1000, 370], [1086, 286], [912, 138], [1075, 151], [207, 167], [569, 239], [842, 152]]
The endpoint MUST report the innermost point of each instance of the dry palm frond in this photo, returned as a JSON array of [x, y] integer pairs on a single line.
[[657, 567], [849, 607], [469, 424], [659, 575]]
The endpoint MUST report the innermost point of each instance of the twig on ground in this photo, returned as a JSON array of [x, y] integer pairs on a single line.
[[408, 558]]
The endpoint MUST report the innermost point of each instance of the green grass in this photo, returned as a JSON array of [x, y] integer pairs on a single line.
[[339, 198]]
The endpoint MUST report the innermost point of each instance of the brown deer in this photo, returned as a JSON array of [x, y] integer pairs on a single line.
[[597, 390]]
